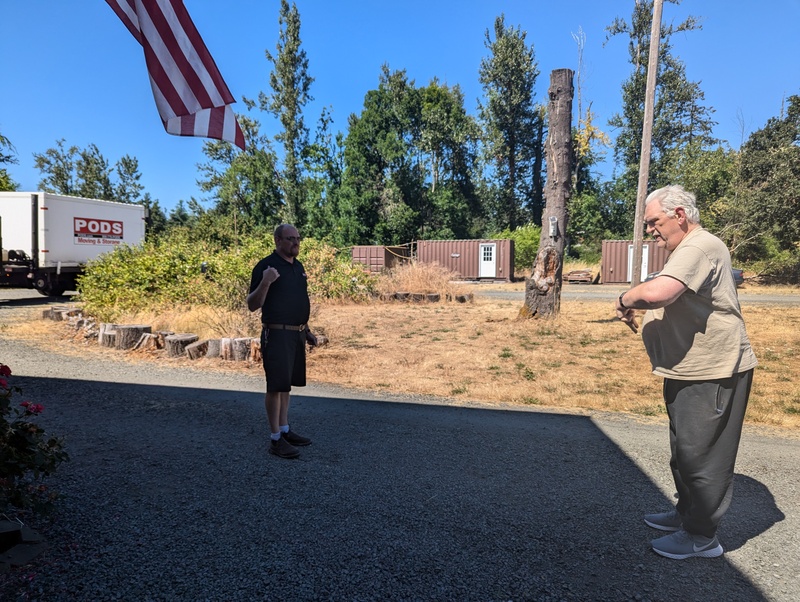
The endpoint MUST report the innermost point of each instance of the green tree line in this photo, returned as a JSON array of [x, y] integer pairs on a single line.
[[414, 164]]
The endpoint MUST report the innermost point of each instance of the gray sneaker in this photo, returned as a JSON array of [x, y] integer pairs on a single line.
[[283, 449], [680, 545], [664, 521]]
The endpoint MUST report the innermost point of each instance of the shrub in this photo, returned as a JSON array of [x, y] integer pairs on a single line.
[[27, 454], [526, 246], [172, 271]]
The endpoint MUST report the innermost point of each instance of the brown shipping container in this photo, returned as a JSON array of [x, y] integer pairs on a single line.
[[378, 257], [617, 260], [471, 259]]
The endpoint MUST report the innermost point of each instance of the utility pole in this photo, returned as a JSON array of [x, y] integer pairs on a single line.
[[647, 137]]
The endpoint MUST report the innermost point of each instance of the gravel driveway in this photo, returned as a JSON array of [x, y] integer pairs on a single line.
[[170, 495]]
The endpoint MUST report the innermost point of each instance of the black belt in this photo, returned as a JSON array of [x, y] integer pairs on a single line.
[[299, 328]]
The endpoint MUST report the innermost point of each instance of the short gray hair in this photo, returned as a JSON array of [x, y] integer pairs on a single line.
[[672, 197]]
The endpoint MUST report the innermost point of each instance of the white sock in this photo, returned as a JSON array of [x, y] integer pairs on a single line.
[[285, 428], [275, 436]]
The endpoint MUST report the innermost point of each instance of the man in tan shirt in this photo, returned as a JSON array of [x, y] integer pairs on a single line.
[[695, 336]]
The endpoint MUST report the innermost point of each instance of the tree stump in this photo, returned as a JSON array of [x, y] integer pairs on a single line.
[[129, 334], [241, 348], [433, 297], [197, 350], [176, 344], [108, 335], [322, 340], [255, 350], [162, 337], [148, 341], [401, 296], [417, 297], [213, 348], [226, 349]]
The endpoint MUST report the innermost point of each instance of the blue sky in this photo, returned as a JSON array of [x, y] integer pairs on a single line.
[[71, 70]]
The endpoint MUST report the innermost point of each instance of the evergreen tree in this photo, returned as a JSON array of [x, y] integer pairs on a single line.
[[244, 184], [7, 157], [156, 218], [679, 117], [57, 165], [290, 83], [93, 174], [128, 188], [770, 196], [513, 127]]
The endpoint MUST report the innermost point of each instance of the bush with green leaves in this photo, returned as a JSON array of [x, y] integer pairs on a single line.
[[526, 246], [27, 454], [177, 270]]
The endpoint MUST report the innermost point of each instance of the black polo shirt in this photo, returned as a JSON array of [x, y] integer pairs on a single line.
[[287, 300]]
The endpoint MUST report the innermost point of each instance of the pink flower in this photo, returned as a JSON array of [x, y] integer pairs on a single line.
[[36, 408], [25, 404], [5, 370]]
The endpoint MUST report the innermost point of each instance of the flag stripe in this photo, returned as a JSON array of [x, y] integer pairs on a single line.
[[127, 13], [190, 93]]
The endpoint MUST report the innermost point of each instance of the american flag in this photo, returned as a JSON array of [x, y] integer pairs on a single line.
[[190, 94]]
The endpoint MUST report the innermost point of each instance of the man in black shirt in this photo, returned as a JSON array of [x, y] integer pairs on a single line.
[[279, 288]]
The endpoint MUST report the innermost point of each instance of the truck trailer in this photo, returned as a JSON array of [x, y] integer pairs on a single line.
[[47, 239]]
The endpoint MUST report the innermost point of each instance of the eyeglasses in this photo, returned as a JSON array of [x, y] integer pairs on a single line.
[[292, 238]]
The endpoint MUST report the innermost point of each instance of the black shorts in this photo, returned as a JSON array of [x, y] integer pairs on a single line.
[[284, 356]]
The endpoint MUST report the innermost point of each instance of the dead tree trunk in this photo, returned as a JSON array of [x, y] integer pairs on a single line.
[[543, 288]]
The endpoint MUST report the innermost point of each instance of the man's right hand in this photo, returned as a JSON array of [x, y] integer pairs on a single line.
[[270, 275]]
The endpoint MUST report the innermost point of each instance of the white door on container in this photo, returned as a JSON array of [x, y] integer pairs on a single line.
[[488, 261], [645, 263]]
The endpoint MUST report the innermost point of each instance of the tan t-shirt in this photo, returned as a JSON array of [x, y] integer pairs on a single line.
[[700, 336]]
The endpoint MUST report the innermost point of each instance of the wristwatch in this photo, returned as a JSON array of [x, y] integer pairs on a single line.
[[621, 304]]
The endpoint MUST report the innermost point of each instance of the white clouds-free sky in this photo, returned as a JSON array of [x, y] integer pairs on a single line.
[[71, 70]]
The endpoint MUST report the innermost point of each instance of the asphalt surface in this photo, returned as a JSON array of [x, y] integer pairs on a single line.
[[170, 495]]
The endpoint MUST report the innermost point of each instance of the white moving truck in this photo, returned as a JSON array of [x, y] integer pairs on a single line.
[[47, 239]]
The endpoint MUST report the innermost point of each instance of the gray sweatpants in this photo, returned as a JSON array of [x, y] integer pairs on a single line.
[[705, 425]]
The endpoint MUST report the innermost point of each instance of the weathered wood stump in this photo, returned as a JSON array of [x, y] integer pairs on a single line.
[[322, 340], [255, 350], [148, 341], [226, 348], [129, 334], [176, 344], [162, 337], [464, 298], [107, 336], [433, 297], [197, 350], [417, 297], [401, 296], [213, 348], [240, 348]]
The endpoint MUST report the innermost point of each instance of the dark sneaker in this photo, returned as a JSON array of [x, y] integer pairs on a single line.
[[665, 521], [680, 545], [295, 439], [283, 449]]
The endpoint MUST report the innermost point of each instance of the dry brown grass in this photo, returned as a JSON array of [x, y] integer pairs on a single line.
[[584, 359], [420, 278]]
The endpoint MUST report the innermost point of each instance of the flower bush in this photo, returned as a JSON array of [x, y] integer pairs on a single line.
[[27, 454]]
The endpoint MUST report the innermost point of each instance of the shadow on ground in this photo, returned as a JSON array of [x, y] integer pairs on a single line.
[[393, 501]]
